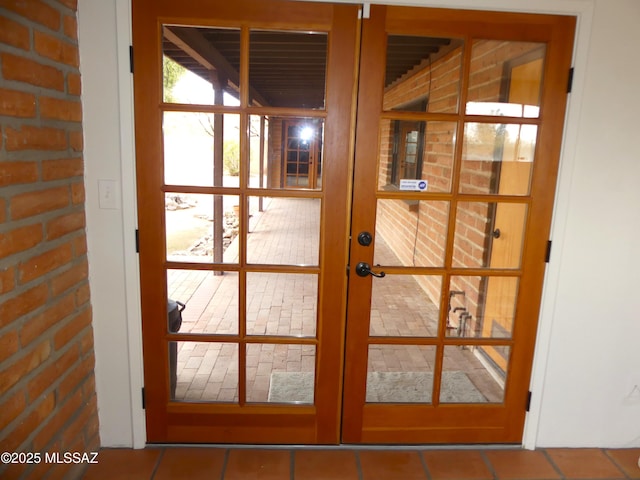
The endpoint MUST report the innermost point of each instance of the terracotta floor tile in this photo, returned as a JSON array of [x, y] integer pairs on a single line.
[[190, 463], [258, 464], [456, 465], [391, 465], [584, 463], [627, 459], [325, 465], [521, 465], [271, 464], [123, 464]]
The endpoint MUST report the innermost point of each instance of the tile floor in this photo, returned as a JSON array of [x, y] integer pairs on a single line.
[[220, 463]]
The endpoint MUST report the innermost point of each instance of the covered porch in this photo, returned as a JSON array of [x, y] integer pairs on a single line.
[[284, 304]]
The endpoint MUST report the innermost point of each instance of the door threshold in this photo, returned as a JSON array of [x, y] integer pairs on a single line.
[[343, 446]]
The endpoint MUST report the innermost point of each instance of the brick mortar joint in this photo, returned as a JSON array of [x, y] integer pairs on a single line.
[[59, 6], [34, 56], [19, 323], [84, 405], [27, 444], [42, 154], [54, 356], [58, 95], [58, 405], [36, 90], [16, 123], [17, 259], [63, 10], [44, 280], [39, 155], [39, 185]]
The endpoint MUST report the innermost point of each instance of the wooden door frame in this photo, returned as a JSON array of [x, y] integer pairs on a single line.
[[195, 422], [374, 423]]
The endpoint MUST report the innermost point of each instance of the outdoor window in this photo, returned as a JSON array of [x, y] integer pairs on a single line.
[[408, 145]]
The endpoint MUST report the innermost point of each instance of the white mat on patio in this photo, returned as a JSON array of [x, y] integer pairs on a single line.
[[382, 387]]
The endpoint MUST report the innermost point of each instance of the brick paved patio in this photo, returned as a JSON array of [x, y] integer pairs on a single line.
[[287, 232]]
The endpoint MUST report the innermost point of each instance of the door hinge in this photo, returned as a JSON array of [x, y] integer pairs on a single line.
[[137, 241], [144, 403], [570, 81], [547, 255], [131, 58], [528, 405]]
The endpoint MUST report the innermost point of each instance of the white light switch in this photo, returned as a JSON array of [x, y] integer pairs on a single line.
[[108, 194]]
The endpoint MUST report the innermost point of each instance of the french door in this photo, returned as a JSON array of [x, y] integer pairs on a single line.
[[342, 221], [301, 155], [443, 342]]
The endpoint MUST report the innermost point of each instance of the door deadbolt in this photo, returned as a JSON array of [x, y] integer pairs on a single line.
[[365, 239]]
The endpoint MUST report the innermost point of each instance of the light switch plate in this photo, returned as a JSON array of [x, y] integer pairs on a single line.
[[108, 194]]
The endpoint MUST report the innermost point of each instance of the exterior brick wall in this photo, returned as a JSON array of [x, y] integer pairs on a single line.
[[416, 231], [47, 386]]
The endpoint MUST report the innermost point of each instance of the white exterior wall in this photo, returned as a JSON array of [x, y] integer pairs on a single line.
[[588, 355], [593, 356]]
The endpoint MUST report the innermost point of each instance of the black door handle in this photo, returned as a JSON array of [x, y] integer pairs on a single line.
[[363, 269]]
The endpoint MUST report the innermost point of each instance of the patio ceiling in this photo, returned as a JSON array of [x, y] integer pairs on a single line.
[[287, 69]]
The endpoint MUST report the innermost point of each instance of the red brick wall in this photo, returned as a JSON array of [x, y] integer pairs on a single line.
[[399, 222], [47, 387]]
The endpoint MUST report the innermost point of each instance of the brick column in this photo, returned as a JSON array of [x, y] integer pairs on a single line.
[[47, 386]]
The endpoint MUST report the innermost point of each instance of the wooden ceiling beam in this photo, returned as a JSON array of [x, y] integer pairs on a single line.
[[194, 44], [183, 45]]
